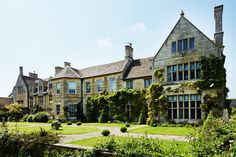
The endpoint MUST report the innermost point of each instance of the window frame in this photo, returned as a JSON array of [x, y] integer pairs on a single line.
[[99, 85], [87, 87], [73, 89], [129, 84], [173, 47], [147, 82], [112, 84], [58, 88]]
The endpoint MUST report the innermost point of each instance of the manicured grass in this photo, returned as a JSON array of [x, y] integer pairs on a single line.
[[108, 124], [179, 131], [65, 129], [91, 142]]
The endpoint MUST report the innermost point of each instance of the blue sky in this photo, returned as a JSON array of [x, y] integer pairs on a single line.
[[40, 35]]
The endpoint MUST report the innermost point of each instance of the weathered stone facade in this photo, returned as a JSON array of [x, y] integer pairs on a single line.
[[179, 57], [96, 80], [66, 93], [31, 91]]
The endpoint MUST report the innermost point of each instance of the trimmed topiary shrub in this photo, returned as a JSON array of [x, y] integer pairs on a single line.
[[127, 125], [123, 129], [41, 117], [105, 132], [69, 123], [78, 123]]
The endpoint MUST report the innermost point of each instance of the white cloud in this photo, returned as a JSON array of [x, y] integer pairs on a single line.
[[137, 27], [105, 42]]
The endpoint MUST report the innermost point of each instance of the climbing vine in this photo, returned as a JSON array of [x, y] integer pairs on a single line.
[[112, 106], [156, 103]]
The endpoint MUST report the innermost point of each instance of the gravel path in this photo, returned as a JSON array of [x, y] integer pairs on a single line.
[[116, 132]]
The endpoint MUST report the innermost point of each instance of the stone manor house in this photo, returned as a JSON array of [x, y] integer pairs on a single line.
[[178, 56]]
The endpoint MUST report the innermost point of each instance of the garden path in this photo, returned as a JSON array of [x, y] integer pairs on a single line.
[[116, 132]]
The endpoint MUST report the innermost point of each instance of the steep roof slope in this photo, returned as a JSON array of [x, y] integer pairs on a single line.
[[104, 69], [139, 68], [67, 72]]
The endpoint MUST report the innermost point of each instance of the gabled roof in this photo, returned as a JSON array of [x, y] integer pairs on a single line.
[[67, 72], [104, 69], [139, 68], [186, 20], [29, 80]]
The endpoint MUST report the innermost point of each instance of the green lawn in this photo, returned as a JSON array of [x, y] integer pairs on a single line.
[[108, 124], [65, 129], [91, 142], [179, 131]]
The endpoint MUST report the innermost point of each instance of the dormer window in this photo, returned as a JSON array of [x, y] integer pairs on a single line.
[[40, 88]]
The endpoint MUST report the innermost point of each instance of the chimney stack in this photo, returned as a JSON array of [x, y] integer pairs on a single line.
[[58, 69], [129, 51], [218, 12], [33, 75], [66, 64], [21, 70]]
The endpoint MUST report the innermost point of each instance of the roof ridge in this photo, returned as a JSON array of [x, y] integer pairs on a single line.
[[73, 71]]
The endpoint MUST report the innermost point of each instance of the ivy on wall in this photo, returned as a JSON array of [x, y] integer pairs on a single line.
[[112, 106], [156, 103]]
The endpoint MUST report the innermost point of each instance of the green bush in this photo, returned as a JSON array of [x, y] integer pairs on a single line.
[[50, 120], [105, 132], [78, 123], [69, 123], [215, 138], [103, 118], [11, 119], [24, 118], [109, 122], [127, 125], [123, 129], [41, 117], [21, 145], [61, 118], [30, 118]]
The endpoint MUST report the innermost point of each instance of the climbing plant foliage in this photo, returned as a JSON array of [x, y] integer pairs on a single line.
[[112, 106], [156, 102]]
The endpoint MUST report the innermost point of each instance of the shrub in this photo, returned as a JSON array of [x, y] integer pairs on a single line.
[[127, 125], [78, 123], [109, 122], [214, 138], [154, 124], [50, 120], [11, 119], [24, 118], [30, 118], [103, 118], [41, 117], [61, 118], [123, 129], [105, 132], [31, 144], [69, 123]]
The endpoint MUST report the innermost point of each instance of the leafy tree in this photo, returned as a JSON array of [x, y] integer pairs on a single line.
[[15, 110]]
